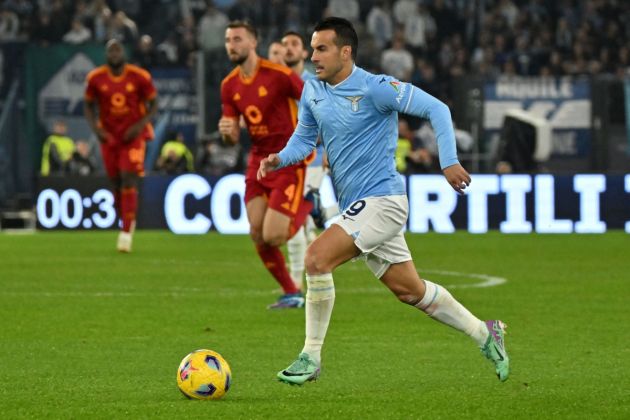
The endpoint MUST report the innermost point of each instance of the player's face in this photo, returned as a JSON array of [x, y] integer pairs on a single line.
[[327, 57], [238, 44], [276, 53], [295, 52], [115, 55]]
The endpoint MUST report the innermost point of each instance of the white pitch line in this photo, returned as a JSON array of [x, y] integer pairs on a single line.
[[176, 292], [487, 280]]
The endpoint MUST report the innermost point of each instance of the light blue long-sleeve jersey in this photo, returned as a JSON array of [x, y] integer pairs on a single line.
[[358, 123], [319, 157]]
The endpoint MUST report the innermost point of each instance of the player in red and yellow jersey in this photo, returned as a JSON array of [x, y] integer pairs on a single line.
[[124, 98], [265, 94]]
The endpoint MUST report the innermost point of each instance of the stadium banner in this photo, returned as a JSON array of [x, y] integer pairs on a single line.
[[192, 204], [176, 94], [564, 102], [177, 110]]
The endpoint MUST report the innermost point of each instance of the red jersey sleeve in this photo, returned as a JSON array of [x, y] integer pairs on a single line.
[[90, 90], [146, 86], [296, 84], [227, 103]]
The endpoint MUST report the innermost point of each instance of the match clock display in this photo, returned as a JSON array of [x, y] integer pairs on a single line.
[[85, 205]]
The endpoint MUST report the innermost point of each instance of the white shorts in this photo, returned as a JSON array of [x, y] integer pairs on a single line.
[[376, 224]]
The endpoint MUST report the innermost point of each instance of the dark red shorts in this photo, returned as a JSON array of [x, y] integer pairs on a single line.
[[283, 189], [124, 157]]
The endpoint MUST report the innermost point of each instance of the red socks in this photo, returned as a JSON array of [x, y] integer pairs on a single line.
[[274, 262], [117, 202], [128, 207]]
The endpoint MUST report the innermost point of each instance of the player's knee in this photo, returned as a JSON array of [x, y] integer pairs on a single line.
[[315, 262], [409, 298], [116, 182], [256, 235], [274, 238], [129, 180]]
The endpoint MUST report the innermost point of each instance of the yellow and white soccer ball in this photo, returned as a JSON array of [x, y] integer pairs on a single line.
[[204, 375]]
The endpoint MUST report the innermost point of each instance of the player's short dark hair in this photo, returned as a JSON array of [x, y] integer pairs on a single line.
[[299, 35], [244, 24], [344, 31], [112, 41]]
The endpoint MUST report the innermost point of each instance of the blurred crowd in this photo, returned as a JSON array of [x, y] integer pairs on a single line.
[[426, 42]]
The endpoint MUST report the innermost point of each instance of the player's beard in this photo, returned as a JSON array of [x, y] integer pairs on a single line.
[[292, 63], [239, 59], [116, 66], [329, 73]]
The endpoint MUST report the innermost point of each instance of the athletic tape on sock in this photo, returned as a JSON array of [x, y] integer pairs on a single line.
[[320, 287]]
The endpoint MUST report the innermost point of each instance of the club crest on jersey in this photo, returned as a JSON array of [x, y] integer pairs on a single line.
[[262, 91], [130, 87], [354, 100], [236, 97]]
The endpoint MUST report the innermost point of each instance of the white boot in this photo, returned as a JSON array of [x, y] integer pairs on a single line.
[[124, 242]]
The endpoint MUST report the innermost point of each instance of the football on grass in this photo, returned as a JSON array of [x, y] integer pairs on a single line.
[[204, 375]]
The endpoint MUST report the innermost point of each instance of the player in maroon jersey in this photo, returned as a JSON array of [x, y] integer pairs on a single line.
[[124, 97], [265, 93]]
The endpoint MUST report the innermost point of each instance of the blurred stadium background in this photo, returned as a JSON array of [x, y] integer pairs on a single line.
[[535, 88]]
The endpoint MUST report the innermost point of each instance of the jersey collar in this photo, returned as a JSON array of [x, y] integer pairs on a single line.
[[117, 78], [354, 67], [249, 80]]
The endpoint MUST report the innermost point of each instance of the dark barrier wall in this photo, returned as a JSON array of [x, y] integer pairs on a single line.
[[192, 204]]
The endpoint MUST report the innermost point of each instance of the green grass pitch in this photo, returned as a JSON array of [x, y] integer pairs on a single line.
[[88, 333]]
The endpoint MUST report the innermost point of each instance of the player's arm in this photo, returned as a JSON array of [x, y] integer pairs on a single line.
[[424, 105], [301, 144], [133, 131], [89, 110], [295, 86], [229, 129], [408, 99]]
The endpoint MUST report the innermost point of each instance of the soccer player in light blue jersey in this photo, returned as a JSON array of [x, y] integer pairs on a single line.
[[356, 113]]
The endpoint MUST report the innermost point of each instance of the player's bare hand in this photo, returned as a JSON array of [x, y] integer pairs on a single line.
[[227, 128], [133, 132], [267, 165], [457, 176]]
